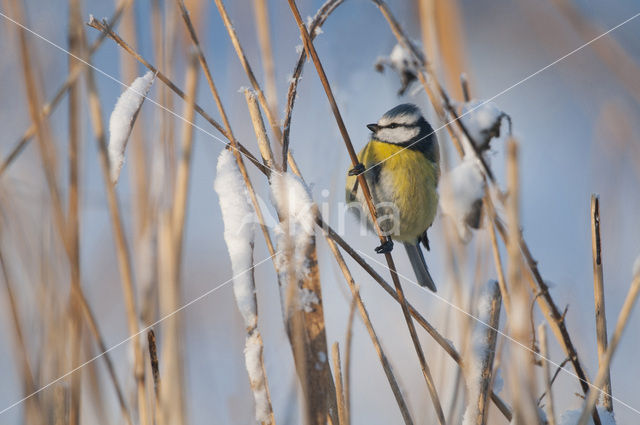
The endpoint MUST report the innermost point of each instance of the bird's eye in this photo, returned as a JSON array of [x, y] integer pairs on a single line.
[[394, 125]]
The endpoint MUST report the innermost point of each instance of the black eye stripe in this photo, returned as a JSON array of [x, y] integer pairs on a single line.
[[394, 125]]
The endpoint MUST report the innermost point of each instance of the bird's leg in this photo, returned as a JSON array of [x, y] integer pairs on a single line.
[[385, 247], [357, 170]]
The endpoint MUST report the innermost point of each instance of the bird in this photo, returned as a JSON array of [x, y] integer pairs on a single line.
[[401, 165]]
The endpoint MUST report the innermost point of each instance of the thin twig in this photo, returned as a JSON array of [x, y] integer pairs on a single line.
[[386, 366], [486, 373], [337, 370], [522, 376], [153, 359], [75, 338], [348, 342], [264, 39], [271, 117], [623, 319], [260, 130], [321, 16], [506, 297], [544, 353], [598, 294]]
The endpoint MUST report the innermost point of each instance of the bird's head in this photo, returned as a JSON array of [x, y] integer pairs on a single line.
[[401, 125]]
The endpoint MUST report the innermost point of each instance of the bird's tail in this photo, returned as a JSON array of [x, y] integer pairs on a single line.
[[419, 266]]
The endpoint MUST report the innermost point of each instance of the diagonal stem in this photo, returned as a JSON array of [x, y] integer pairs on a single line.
[[311, 52]]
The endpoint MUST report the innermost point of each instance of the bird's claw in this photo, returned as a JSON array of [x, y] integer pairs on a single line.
[[385, 247], [357, 170]]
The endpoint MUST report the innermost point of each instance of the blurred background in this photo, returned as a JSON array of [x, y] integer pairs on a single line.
[[577, 127]]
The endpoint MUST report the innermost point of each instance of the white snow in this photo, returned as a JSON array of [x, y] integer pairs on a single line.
[[122, 119], [238, 233], [403, 63], [478, 354], [307, 299], [461, 187], [481, 120], [570, 417], [402, 59], [253, 362], [636, 267], [317, 31], [295, 208]]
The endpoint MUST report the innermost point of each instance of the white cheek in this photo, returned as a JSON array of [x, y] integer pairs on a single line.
[[397, 135]]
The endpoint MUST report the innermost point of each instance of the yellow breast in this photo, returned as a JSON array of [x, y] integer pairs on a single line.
[[406, 179]]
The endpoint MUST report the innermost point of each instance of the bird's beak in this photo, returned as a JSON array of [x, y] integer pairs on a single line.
[[373, 127]]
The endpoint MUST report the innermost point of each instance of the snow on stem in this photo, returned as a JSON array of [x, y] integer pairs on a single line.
[[462, 192], [239, 232], [122, 119], [482, 354], [296, 231]]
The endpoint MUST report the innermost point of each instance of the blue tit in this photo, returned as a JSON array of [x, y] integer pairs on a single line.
[[401, 166]]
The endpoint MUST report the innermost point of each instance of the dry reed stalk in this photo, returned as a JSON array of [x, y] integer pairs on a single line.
[[544, 352], [122, 250], [29, 384], [550, 310], [266, 52], [48, 108], [260, 130], [337, 370], [306, 329], [598, 293], [171, 398], [442, 341], [272, 118], [486, 374], [545, 301], [506, 298], [348, 342], [181, 191], [438, 104], [153, 360], [155, 373], [386, 366], [49, 167], [170, 292], [427, 14], [330, 6], [318, 20], [311, 52], [522, 375], [234, 143], [322, 392], [449, 27], [138, 166], [75, 314], [601, 377], [164, 38], [101, 26]]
